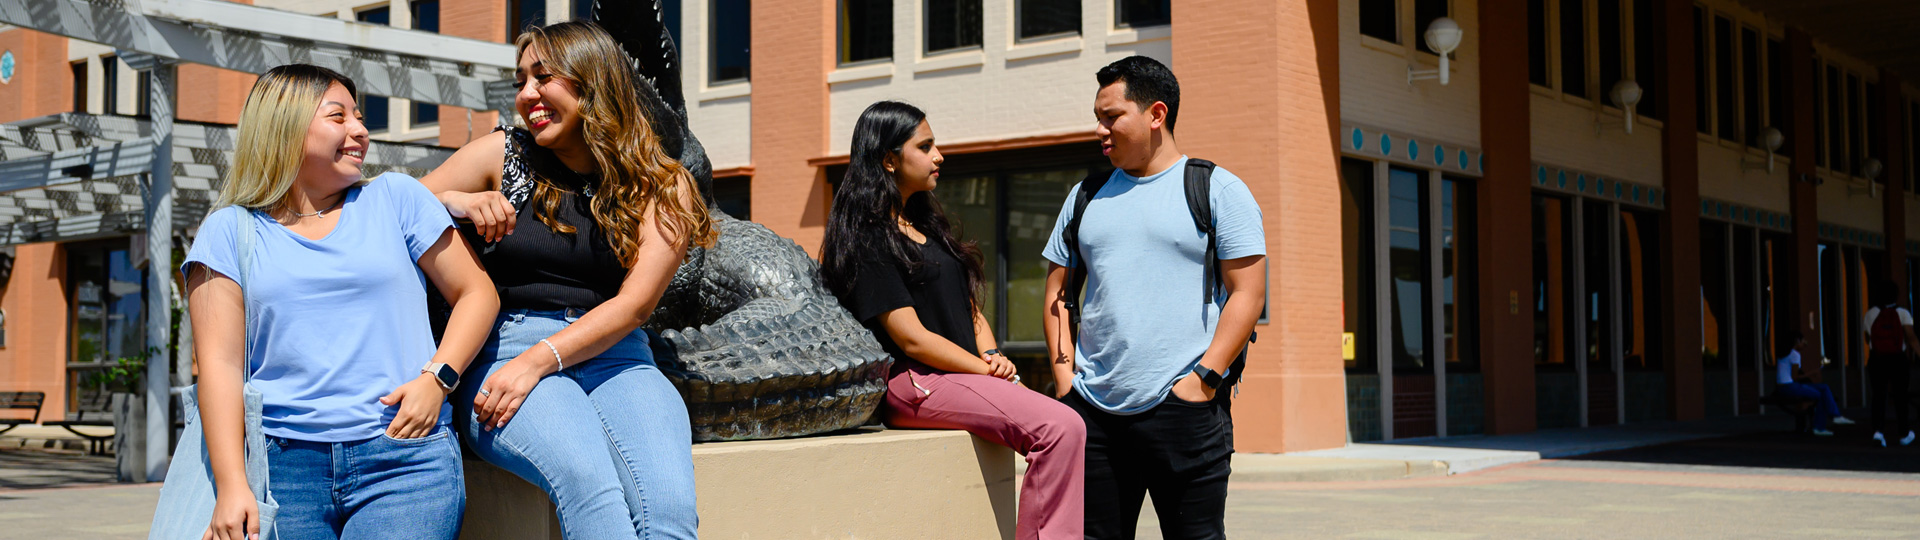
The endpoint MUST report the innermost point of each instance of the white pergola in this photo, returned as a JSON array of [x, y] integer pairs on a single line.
[[73, 176]]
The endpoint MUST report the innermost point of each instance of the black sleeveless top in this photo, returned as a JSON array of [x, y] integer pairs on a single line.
[[539, 269]]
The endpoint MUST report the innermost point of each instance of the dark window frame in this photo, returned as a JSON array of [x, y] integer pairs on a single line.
[[845, 34], [1779, 87], [1421, 21], [1020, 20], [1573, 82], [80, 83], [714, 30], [960, 30], [1122, 18], [1371, 25], [377, 111], [110, 84], [1726, 92], [1752, 75]]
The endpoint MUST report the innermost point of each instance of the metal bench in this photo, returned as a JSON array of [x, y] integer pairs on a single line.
[[96, 410], [1801, 409], [29, 401]]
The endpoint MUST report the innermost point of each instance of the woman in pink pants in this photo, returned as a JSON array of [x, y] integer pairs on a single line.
[[892, 259]]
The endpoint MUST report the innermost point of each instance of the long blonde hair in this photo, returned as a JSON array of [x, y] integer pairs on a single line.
[[636, 174], [273, 134]]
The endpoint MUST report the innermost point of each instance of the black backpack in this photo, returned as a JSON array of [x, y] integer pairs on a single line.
[[1199, 176]]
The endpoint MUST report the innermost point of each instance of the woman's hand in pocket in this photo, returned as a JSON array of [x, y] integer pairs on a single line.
[[506, 389], [235, 516], [419, 401]]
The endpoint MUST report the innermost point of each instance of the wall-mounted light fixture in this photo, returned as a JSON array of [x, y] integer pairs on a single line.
[[1770, 139], [1443, 36], [1625, 94], [1870, 169]]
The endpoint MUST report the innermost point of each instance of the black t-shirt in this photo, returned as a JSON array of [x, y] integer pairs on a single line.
[[937, 292], [535, 267]]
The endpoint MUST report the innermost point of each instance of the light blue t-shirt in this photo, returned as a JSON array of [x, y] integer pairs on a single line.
[[338, 322], [1142, 324]]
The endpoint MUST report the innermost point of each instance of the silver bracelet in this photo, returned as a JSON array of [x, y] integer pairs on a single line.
[[556, 355]]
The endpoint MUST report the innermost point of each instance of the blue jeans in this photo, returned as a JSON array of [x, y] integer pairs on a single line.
[[374, 488], [607, 438], [1824, 408]]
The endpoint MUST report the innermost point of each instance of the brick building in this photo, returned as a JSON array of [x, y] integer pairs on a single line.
[[1517, 250]]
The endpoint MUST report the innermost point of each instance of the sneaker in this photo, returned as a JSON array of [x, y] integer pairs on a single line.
[[1822, 433], [1842, 421], [1908, 440], [1880, 438]]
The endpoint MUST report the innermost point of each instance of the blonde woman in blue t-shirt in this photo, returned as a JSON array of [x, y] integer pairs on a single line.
[[332, 325]]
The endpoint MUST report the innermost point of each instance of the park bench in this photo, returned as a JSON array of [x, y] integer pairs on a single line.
[[29, 401], [96, 410], [1801, 409]]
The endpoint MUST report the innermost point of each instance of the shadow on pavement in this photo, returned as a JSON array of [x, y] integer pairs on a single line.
[[30, 469], [1850, 449]]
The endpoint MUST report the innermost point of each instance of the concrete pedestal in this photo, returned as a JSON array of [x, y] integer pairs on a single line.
[[869, 484]]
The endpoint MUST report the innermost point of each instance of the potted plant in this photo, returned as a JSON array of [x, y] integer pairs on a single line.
[[124, 380]]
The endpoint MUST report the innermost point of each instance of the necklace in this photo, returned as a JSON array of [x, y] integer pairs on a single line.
[[321, 213]]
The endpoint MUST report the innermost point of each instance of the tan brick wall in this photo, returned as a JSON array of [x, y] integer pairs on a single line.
[[475, 20], [1272, 123], [42, 83], [210, 94]]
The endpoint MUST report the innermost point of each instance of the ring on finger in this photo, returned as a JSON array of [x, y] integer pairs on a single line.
[[486, 392]]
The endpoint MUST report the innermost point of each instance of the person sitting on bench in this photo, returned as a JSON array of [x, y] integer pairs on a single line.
[[1797, 381]]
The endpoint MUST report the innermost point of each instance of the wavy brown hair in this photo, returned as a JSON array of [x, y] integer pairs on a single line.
[[636, 174]]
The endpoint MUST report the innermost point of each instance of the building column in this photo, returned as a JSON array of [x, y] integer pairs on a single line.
[[1273, 123], [1680, 224], [793, 50], [1805, 206], [158, 211], [1505, 220], [1893, 196]]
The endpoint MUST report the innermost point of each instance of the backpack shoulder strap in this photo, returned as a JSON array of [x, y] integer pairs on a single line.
[[243, 228], [1199, 184], [1077, 268]]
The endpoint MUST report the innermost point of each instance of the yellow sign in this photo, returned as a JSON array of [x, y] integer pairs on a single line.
[[1346, 346]]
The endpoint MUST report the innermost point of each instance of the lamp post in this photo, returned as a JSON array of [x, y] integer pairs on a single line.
[[1770, 139]]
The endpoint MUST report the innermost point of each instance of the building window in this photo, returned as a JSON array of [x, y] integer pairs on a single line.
[[1380, 19], [1726, 124], [142, 95], [522, 14], [1913, 151], [1424, 13], [1779, 104], [108, 312], [734, 195], [374, 108], [1702, 84], [1573, 47], [426, 18], [730, 33], [1836, 122], [1537, 43], [1819, 126], [1856, 147], [110, 84], [1649, 50], [1142, 13], [952, 24], [1612, 47], [1875, 124], [1044, 18], [866, 30], [79, 86], [1750, 99]]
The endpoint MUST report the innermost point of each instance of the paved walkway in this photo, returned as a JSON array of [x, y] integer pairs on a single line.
[[50, 438], [1456, 455]]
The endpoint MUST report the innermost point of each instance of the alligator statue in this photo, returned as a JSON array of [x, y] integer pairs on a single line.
[[746, 330]]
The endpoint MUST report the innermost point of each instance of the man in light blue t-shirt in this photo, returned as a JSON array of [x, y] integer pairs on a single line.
[[1146, 372]]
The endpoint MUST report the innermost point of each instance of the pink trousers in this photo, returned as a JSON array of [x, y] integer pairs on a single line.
[[1051, 435]]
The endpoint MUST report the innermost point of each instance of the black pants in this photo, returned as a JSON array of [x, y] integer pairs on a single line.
[[1889, 374], [1179, 452]]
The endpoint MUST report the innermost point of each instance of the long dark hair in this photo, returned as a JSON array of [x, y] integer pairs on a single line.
[[861, 223]]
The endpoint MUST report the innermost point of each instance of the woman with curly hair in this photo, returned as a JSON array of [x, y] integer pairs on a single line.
[[566, 393]]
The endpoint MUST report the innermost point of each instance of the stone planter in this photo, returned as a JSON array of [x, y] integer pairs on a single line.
[[129, 437]]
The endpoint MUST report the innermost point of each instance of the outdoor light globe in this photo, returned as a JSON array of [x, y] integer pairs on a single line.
[[1871, 168], [1772, 139], [1625, 93], [1443, 35]]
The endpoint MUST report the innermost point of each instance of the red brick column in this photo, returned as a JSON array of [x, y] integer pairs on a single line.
[[1893, 195], [1272, 122], [793, 49], [1805, 203], [1505, 219], [473, 20], [1680, 224]]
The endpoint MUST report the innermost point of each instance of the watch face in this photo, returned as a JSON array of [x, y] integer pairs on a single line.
[[447, 376]]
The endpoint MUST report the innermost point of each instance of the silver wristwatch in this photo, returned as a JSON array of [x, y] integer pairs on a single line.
[[443, 374]]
